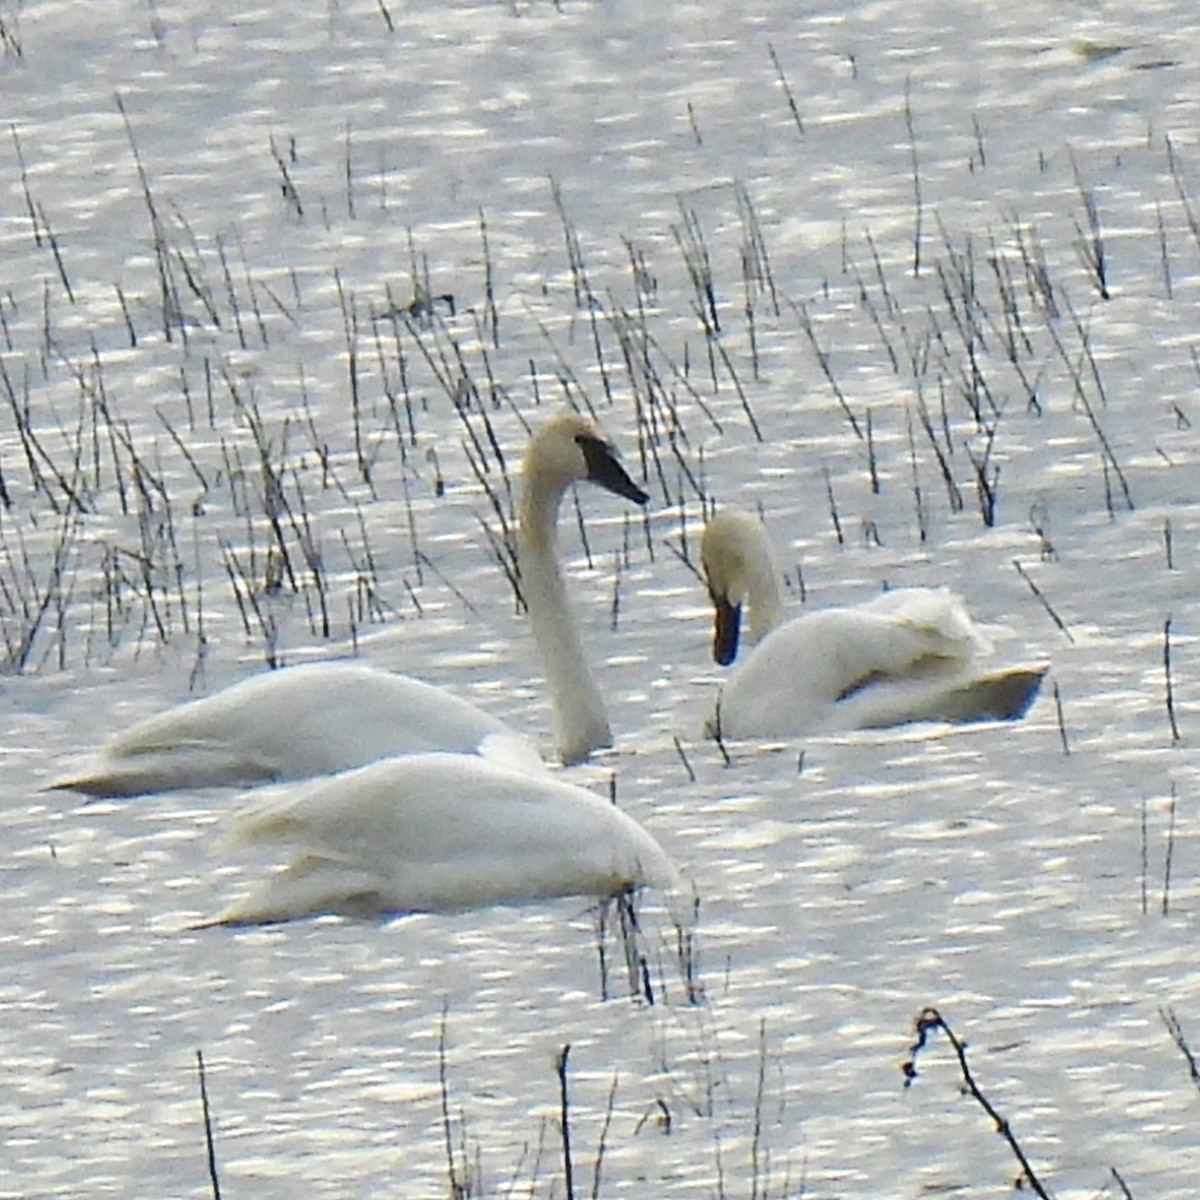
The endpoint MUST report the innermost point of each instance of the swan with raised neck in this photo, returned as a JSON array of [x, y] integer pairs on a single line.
[[567, 449], [322, 718]]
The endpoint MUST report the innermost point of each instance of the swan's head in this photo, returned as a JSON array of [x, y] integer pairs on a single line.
[[571, 449], [736, 558]]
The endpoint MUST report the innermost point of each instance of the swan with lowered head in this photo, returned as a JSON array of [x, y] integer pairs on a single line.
[[908, 655], [321, 718], [433, 832]]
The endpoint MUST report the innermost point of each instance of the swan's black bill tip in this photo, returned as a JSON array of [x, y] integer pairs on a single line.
[[605, 470]]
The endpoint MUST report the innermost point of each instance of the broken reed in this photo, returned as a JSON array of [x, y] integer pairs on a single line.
[[929, 1021]]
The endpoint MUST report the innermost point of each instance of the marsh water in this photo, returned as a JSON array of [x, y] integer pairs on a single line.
[[283, 291]]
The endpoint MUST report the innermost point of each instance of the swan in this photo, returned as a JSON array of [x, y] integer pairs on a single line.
[[567, 449], [907, 655], [321, 718], [291, 724], [439, 831]]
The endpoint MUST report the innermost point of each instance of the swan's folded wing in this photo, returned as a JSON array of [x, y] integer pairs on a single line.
[[309, 886], [140, 771], [937, 616]]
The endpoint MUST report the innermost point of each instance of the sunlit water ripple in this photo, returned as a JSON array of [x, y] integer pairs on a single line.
[[1015, 877]]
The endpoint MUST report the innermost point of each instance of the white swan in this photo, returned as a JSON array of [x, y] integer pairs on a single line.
[[432, 832], [296, 723], [325, 717], [567, 449], [908, 655]]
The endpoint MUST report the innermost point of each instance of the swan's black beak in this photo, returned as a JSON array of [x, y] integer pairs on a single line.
[[605, 470], [727, 627]]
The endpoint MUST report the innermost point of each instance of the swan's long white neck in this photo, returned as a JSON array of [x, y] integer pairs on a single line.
[[764, 596], [581, 724]]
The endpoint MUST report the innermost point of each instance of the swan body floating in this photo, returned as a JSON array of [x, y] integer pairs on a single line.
[[435, 832], [291, 724], [908, 655], [325, 717]]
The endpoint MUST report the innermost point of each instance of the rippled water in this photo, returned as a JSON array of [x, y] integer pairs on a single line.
[[310, 169]]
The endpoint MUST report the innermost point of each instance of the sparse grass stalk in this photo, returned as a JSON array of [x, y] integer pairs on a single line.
[[823, 361], [1175, 1029], [914, 161], [987, 474], [1062, 727], [603, 1141], [787, 91], [833, 508], [1170, 687], [1164, 252], [942, 455], [30, 207], [1106, 450], [1045, 603], [683, 758], [1180, 188], [918, 499], [560, 1068], [1091, 243], [286, 159], [457, 1165], [209, 1140], [231, 295], [1169, 855]]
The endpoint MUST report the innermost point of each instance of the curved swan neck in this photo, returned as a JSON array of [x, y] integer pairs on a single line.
[[764, 596], [581, 724], [740, 570]]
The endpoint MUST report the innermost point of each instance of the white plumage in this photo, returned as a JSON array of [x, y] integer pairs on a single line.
[[320, 718], [432, 832], [293, 724], [907, 655]]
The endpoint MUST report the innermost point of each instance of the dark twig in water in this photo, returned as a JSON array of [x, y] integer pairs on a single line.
[[208, 1129], [1167, 675], [1062, 725], [929, 1020], [683, 758], [460, 1186], [1169, 857], [1177, 1035], [1033, 587], [560, 1067], [787, 91]]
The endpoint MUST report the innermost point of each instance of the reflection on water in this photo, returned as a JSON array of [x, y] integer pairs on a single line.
[[223, 446]]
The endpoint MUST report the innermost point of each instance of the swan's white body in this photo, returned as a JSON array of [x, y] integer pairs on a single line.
[[907, 655], [294, 724], [317, 719], [432, 832]]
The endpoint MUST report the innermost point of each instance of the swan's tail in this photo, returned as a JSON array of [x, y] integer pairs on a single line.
[[311, 885], [1000, 696], [113, 775]]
